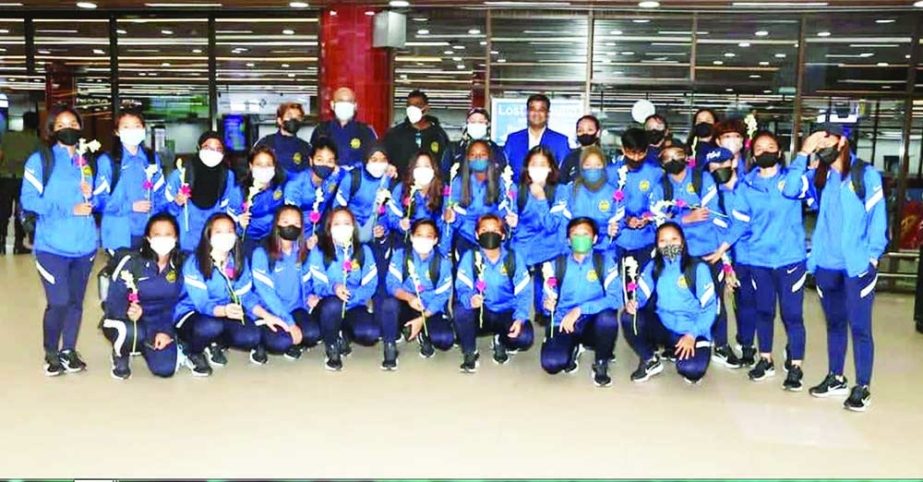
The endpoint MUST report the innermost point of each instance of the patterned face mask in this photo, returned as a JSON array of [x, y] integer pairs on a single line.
[[671, 251]]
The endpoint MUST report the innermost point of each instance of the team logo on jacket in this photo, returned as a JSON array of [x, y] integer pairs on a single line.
[[355, 143], [681, 282], [171, 276], [297, 158], [690, 188], [591, 276], [644, 185], [604, 205], [277, 195], [332, 188], [503, 271], [87, 172], [434, 146], [781, 185]]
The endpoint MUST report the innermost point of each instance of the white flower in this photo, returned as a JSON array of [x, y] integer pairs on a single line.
[[631, 266], [547, 270], [129, 280], [751, 123], [454, 171], [150, 171], [318, 197], [623, 176]]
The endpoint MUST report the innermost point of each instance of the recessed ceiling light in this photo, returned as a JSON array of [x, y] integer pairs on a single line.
[[918, 4], [628, 53], [907, 56], [729, 90], [333, 13], [718, 62], [423, 31], [754, 76], [502, 61], [885, 20], [744, 44], [291, 75], [615, 32], [648, 4], [483, 42], [121, 31], [448, 52], [285, 66], [823, 34], [399, 3], [165, 64], [882, 64], [419, 19], [166, 32], [640, 20], [761, 33], [474, 31], [458, 47], [767, 91], [460, 67], [87, 5], [250, 64], [298, 4], [288, 31], [44, 52], [197, 51], [98, 51], [730, 55], [457, 59], [764, 63], [780, 56], [885, 86], [866, 55]]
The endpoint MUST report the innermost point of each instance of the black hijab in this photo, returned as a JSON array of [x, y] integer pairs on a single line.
[[207, 183]]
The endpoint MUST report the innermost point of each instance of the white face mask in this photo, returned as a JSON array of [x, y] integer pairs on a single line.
[[422, 176], [414, 114], [162, 245], [539, 174], [477, 130], [263, 175], [342, 234], [132, 137], [223, 243], [733, 144], [376, 169], [423, 246], [210, 158], [344, 111]]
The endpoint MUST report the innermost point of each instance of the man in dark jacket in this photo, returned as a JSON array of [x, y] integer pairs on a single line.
[[417, 132]]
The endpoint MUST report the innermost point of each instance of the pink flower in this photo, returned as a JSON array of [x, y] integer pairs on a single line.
[[552, 282], [407, 201], [185, 190], [229, 271], [381, 209], [348, 266], [510, 194], [81, 161], [148, 185], [691, 162], [619, 195], [481, 286], [314, 217], [133, 297], [446, 191], [647, 215], [747, 144], [681, 204], [632, 287], [420, 288], [245, 206], [728, 269]]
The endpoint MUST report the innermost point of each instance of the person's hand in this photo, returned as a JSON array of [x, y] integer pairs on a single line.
[[730, 281], [142, 206], [717, 255], [416, 326], [515, 329], [135, 312], [810, 145], [570, 320], [234, 311], [180, 199], [416, 304], [635, 223], [549, 303], [477, 301], [86, 189], [274, 323], [162, 340], [631, 307], [83, 209], [685, 347], [311, 242], [392, 171], [696, 216], [295, 332], [449, 216], [613, 228], [313, 300], [405, 224], [341, 292], [244, 219], [378, 231], [512, 220], [538, 191]]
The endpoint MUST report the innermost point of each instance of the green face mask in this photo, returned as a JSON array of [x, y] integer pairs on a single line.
[[581, 243]]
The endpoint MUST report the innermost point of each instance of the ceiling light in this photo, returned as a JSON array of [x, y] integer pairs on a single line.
[[729, 90], [285, 66], [87, 5], [457, 59], [648, 4], [98, 52], [458, 47], [448, 52], [754, 76], [288, 31], [885, 20], [780, 4], [197, 51], [502, 61], [399, 3], [744, 44], [183, 5], [882, 64], [767, 91], [718, 62], [460, 67], [44, 52], [730, 55], [291, 75], [918, 4], [423, 31], [780, 56], [333, 13], [628, 53], [474, 31], [823, 34], [166, 32], [764, 63], [251, 64], [298, 4], [483, 42], [419, 19], [615, 32], [121, 32], [165, 64], [640, 20], [761, 33], [866, 55]]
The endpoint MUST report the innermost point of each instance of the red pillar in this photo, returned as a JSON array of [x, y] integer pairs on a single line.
[[347, 59]]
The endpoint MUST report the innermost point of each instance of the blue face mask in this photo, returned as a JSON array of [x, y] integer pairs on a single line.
[[323, 172], [478, 164], [593, 175]]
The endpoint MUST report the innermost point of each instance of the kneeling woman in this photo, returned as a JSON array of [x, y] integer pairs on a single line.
[[281, 278], [582, 293], [344, 277], [139, 307], [419, 283], [218, 306], [685, 305], [493, 296]]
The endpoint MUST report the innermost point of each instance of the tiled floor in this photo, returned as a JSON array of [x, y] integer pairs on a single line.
[[428, 420]]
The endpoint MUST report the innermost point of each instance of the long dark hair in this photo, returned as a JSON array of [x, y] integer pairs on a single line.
[[274, 240], [685, 259], [587, 152], [148, 253], [691, 137], [325, 239], [53, 116], [525, 180], [493, 190], [434, 192], [204, 249], [775, 139], [247, 181]]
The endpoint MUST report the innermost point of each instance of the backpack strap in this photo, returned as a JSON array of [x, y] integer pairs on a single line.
[[560, 269], [857, 176], [435, 262], [697, 181], [356, 178], [690, 273], [510, 264], [599, 266], [667, 187]]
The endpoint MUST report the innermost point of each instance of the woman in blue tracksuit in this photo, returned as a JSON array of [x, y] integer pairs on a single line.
[[850, 236], [493, 295], [145, 288], [134, 185], [59, 191], [198, 189], [419, 285], [697, 209], [313, 189], [591, 195], [583, 300], [477, 127], [773, 197], [344, 277], [636, 179], [255, 201], [539, 234], [701, 138], [475, 191], [218, 307], [686, 305], [281, 279], [419, 196]]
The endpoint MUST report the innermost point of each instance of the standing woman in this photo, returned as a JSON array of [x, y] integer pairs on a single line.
[[199, 189], [313, 189], [732, 135], [258, 197], [473, 193], [344, 278], [592, 196], [281, 279], [477, 128], [218, 307], [850, 236], [421, 197], [145, 288], [701, 138], [59, 190], [134, 185]]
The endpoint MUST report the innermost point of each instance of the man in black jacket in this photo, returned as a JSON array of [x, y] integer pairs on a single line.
[[417, 132]]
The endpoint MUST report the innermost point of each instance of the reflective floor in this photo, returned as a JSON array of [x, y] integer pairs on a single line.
[[294, 419]]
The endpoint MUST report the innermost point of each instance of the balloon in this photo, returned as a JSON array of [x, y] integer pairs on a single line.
[[642, 110]]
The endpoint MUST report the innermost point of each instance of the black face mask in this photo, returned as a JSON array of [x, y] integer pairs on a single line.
[[489, 240], [655, 137], [703, 129], [722, 175], [587, 139], [67, 136], [828, 155], [674, 166], [291, 125], [766, 159], [633, 164], [289, 233], [323, 172]]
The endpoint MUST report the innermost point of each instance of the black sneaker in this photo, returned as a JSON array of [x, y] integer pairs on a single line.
[[389, 361], [647, 369], [601, 373], [747, 356], [198, 365], [71, 361], [724, 355], [120, 368], [574, 360], [668, 354], [258, 355], [53, 366], [427, 350], [293, 353], [792, 381], [830, 387], [859, 399], [763, 370], [333, 361], [500, 354], [216, 355], [470, 363], [345, 346]]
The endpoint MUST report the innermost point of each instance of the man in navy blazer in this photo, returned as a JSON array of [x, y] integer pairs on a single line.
[[518, 143]]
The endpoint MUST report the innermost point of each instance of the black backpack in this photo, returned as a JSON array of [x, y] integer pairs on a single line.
[[689, 273], [857, 177], [509, 262], [435, 262], [117, 163], [560, 269], [356, 174], [29, 218], [668, 186], [523, 197], [358, 255]]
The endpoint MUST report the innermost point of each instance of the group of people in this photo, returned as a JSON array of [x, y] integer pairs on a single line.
[[353, 240]]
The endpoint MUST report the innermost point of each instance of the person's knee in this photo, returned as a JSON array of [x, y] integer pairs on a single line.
[[366, 334], [247, 337], [310, 334], [443, 337], [607, 320], [163, 368], [277, 342], [553, 361], [525, 339], [207, 328]]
